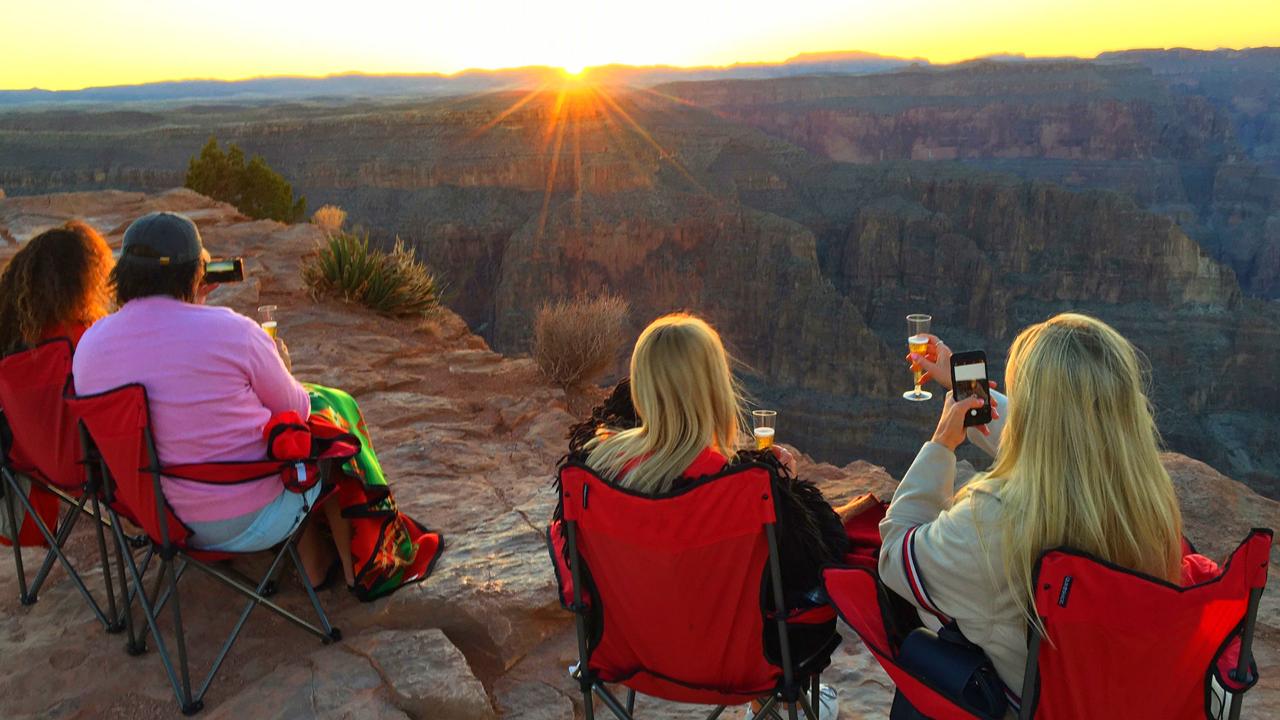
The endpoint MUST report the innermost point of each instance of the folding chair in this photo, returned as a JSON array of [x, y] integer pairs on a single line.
[[674, 596], [1120, 644], [118, 445], [41, 445]]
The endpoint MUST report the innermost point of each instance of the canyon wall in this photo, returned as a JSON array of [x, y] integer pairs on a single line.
[[808, 265], [1174, 133]]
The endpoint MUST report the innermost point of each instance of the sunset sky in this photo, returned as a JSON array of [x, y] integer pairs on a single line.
[[68, 44]]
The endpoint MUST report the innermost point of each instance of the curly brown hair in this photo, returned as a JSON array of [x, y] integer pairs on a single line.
[[58, 278]]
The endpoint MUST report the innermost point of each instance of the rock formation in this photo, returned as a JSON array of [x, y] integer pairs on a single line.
[[723, 198], [469, 439]]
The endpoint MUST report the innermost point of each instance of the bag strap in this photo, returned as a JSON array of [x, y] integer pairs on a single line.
[[916, 581]]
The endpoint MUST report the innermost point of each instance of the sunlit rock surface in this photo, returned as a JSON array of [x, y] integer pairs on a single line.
[[469, 439]]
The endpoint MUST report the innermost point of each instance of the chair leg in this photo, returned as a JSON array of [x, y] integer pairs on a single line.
[[55, 553], [148, 610], [190, 705], [64, 531], [631, 701], [332, 632], [809, 710], [588, 704], [134, 646], [10, 489], [611, 702], [160, 599], [767, 709], [815, 699], [115, 626], [256, 598]]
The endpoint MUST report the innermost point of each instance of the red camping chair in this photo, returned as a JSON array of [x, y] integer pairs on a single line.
[[669, 593], [41, 445], [118, 444], [1122, 644]]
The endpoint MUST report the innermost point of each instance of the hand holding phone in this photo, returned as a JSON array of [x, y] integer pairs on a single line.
[[223, 270], [969, 379]]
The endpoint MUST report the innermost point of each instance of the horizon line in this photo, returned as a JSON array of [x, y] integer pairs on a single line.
[[835, 55]]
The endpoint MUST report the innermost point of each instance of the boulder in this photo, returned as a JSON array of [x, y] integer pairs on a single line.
[[428, 677]]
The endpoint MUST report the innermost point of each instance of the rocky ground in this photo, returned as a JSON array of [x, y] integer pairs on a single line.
[[470, 440]]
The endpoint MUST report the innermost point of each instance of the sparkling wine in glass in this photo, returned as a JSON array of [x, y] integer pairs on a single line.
[[918, 327], [763, 425]]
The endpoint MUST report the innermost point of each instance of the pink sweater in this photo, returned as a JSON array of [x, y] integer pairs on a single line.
[[213, 379]]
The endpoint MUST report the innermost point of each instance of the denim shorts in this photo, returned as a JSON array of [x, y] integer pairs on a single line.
[[258, 530]]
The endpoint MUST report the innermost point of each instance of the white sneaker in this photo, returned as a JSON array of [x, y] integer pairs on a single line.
[[828, 705]]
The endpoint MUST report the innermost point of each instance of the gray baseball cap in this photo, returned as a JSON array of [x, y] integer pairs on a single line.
[[163, 238]]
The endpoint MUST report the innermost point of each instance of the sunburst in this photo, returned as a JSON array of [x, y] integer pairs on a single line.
[[578, 102]]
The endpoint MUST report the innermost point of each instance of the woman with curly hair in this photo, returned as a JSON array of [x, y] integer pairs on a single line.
[[55, 286]]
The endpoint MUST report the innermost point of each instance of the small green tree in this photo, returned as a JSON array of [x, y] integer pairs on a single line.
[[253, 187]]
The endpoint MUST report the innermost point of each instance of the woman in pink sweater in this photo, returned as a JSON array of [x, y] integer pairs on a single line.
[[214, 379]]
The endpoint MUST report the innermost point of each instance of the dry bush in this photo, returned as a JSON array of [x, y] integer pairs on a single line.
[[329, 218], [575, 341]]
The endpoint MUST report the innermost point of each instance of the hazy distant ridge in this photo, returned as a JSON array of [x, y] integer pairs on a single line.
[[471, 81]]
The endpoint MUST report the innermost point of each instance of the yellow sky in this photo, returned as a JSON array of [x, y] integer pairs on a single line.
[[66, 44]]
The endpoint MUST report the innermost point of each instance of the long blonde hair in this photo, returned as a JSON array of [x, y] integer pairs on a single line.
[[1078, 463], [686, 399]]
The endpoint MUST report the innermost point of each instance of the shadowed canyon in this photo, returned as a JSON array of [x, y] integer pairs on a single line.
[[806, 216]]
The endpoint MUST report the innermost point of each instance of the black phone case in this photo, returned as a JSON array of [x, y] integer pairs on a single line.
[[228, 276], [979, 416]]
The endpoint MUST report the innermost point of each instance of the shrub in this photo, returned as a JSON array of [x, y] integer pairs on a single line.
[[393, 283], [575, 341], [329, 218], [254, 188]]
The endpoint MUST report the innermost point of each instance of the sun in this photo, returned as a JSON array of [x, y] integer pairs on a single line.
[[574, 70]]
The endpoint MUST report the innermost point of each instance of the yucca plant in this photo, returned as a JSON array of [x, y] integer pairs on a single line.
[[393, 283]]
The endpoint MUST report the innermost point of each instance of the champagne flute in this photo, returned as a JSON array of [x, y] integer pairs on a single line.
[[763, 425], [918, 327], [267, 319]]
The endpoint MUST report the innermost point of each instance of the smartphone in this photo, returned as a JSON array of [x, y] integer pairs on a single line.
[[969, 378], [223, 270]]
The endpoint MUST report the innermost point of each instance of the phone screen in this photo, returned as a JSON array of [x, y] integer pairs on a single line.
[[971, 379], [220, 266]]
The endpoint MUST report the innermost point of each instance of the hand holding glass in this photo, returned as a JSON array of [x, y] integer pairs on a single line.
[[918, 327]]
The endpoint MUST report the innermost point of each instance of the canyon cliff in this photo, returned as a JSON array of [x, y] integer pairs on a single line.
[[1176, 131], [764, 204], [469, 440]]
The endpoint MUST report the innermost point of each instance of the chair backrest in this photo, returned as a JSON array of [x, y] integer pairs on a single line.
[[1121, 644], [118, 425], [44, 435], [679, 581]]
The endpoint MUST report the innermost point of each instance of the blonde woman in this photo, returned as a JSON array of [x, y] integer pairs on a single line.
[[679, 418], [1076, 463]]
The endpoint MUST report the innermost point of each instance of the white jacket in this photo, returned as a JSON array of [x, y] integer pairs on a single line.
[[958, 553]]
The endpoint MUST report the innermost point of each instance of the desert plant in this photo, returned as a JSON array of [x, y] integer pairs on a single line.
[[576, 340], [253, 187], [329, 218], [393, 283]]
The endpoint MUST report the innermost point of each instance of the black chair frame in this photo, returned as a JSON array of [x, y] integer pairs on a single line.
[[174, 562]]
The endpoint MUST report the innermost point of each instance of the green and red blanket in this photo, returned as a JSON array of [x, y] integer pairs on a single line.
[[388, 548]]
